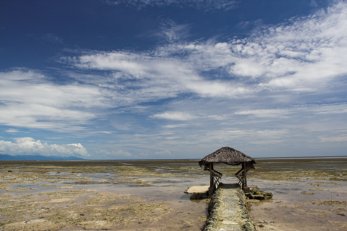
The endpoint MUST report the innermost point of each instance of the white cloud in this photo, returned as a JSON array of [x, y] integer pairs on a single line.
[[11, 130], [174, 126], [145, 77], [304, 55], [330, 109], [173, 32], [128, 63], [341, 138], [28, 145], [264, 113], [252, 135], [273, 87], [28, 99], [174, 115]]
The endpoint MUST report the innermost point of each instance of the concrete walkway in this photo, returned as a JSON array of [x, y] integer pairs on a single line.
[[227, 210]]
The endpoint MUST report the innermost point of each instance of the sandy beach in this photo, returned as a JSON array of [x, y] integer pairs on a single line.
[[148, 195]]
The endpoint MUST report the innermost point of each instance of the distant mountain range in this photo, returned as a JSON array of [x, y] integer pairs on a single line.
[[37, 157]]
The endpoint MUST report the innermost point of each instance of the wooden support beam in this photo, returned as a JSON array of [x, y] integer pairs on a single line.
[[211, 188], [244, 176], [215, 177]]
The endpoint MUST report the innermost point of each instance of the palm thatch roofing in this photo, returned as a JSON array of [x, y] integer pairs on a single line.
[[227, 155]]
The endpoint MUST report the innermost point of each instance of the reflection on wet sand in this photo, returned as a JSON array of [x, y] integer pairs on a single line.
[[99, 196], [308, 195]]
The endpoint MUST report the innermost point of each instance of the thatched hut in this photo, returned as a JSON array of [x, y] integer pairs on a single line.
[[228, 156]]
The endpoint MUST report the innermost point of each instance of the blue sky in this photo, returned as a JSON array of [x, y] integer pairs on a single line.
[[173, 79]]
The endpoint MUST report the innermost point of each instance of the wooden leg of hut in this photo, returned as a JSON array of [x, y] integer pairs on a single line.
[[211, 189], [244, 183], [239, 176], [215, 177], [238, 172], [244, 176], [246, 169]]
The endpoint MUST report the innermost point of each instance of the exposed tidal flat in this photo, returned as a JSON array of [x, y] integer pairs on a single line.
[[308, 194], [110, 195], [148, 195]]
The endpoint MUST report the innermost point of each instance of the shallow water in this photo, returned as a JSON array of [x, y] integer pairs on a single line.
[[148, 195], [307, 195], [100, 196]]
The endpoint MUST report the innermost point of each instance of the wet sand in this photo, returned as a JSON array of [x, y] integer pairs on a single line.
[[148, 195], [99, 196], [308, 195]]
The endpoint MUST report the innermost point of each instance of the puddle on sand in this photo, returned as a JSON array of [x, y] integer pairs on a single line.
[[98, 198], [101, 195], [300, 202], [304, 209]]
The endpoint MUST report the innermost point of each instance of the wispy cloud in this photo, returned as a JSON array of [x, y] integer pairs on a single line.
[[174, 115], [264, 113], [28, 99], [142, 77], [249, 92], [28, 146], [52, 38], [303, 55], [11, 130], [173, 32], [257, 90], [333, 139]]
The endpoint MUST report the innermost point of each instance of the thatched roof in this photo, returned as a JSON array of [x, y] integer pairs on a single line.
[[227, 155]]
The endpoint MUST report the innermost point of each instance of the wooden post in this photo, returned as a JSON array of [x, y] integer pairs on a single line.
[[215, 176], [244, 185], [238, 175], [244, 176], [211, 189]]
